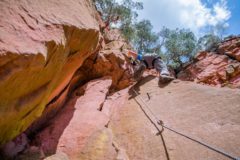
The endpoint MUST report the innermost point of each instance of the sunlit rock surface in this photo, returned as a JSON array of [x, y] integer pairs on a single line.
[[44, 46], [220, 68]]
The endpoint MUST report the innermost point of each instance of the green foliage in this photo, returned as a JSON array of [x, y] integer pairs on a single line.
[[218, 30], [208, 42], [179, 45], [145, 39], [176, 46], [121, 14]]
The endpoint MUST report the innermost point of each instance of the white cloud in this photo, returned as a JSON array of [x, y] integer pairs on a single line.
[[193, 14]]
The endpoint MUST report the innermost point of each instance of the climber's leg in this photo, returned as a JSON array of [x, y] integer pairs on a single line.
[[161, 67], [139, 70]]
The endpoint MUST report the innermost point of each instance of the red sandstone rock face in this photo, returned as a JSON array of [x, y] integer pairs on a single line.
[[80, 130], [231, 47], [78, 118], [45, 49], [111, 61], [216, 68], [42, 44], [112, 35]]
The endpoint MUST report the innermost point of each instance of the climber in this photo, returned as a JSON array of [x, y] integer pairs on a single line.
[[149, 61]]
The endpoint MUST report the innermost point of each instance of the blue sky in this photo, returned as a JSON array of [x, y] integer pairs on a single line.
[[234, 21], [193, 14]]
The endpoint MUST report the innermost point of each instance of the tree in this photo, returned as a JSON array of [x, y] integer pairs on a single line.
[[145, 39], [163, 34], [179, 45], [121, 14], [208, 42], [220, 30]]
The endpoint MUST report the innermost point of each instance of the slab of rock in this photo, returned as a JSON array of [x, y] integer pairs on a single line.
[[220, 68], [80, 130], [209, 114], [81, 117], [231, 47]]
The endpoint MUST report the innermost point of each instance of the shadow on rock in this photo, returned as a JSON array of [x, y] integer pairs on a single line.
[[48, 138], [136, 87], [163, 85]]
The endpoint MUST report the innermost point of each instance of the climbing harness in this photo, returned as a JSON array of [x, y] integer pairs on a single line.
[[161, 123]]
